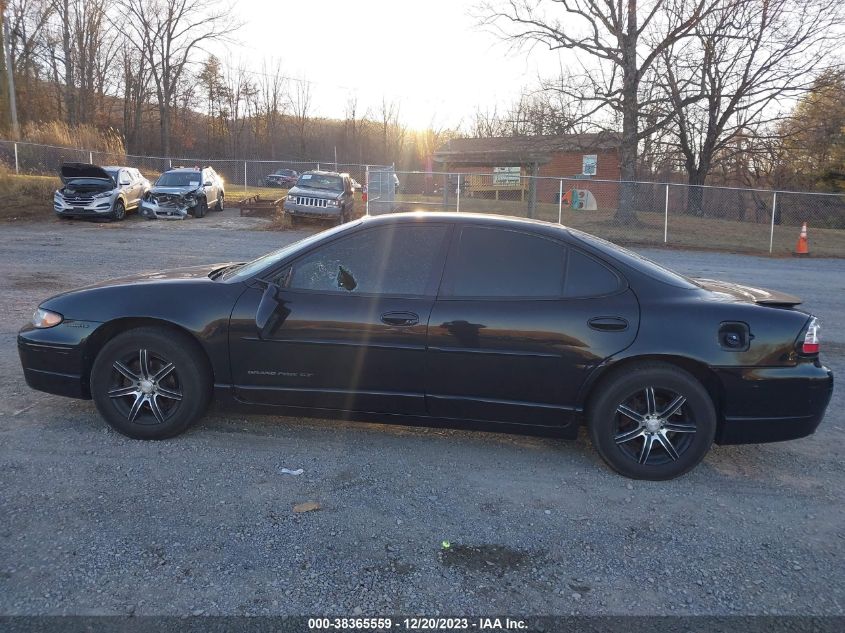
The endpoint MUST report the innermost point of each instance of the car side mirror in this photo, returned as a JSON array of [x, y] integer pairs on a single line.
[[207, 183], [271, 312]]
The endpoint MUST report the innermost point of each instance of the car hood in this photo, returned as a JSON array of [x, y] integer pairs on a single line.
[[315, 193], [749, 294], [74, 171], [175, 275]]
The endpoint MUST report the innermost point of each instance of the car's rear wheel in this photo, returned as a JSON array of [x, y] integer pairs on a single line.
[[220, 202], [149, 383], [118, 210], [652, 421], [201, 209]]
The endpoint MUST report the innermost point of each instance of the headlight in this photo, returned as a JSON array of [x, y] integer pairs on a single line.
[[291, 197], [44, 318], [104, 194], [334, 203]]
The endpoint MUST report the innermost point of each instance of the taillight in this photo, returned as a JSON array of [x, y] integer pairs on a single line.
[[811, 338]]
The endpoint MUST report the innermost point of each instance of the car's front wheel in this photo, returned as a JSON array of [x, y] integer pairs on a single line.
[[149, 383], [118, 210], [652, 421], [201, 208]]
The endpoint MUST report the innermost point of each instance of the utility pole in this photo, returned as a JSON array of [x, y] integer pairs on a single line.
[[10, 77]]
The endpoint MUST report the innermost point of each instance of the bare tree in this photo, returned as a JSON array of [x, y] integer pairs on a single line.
[[745, 60], [169, 33], [300, 104], [617, 43]]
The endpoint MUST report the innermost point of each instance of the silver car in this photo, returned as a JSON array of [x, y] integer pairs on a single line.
[[91, 191]]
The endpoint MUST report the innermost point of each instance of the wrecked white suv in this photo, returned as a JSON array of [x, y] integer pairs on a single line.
[[91, 191], [183, 190]]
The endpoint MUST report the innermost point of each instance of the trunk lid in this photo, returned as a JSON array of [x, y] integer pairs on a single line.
[[749, 294]]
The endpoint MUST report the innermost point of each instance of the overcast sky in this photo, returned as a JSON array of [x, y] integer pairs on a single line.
[[428, 54]]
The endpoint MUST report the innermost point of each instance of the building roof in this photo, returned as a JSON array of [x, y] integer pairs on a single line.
[[521, 149]]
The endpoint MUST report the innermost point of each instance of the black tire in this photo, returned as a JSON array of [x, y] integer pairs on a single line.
[[294, 221], [154, 403], [118, 211], [673, 435], [220, 202], [201, 209]]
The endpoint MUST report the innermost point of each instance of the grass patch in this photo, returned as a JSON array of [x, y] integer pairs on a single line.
[[26, 198]]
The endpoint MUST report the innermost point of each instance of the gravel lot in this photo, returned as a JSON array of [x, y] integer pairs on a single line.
[[93, 523]]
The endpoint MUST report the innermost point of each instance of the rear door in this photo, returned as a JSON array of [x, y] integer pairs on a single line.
[[347, 325], [519, 322]]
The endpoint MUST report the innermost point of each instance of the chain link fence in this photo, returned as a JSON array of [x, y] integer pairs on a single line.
[[634, 213], [641, 213], [240, 176]]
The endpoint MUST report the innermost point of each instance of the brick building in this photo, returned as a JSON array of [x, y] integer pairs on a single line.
[[573, 156]]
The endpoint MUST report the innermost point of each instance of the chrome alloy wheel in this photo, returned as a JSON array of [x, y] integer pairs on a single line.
[[145, 388], [653, 426]]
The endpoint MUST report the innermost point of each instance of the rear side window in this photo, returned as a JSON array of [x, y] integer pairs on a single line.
[[587, 277], [499, 263], [389, 260]]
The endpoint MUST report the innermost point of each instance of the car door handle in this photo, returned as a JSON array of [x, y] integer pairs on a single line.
[[400, 318], [608, 324]]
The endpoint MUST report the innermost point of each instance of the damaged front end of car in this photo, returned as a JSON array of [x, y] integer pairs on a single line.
[[168, 205]]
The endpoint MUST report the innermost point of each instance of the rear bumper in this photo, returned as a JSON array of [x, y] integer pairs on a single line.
[[773, 404]]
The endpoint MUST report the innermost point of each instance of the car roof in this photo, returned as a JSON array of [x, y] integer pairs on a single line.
[[504, 221]]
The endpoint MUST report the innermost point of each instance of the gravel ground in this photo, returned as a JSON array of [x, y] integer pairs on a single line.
[[93, 523]]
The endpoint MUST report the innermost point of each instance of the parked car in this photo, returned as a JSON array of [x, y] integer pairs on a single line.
[[284, 178], [324, 195], [184, 190], [476, 320], [98, 192]]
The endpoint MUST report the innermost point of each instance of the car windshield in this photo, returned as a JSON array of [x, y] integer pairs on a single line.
[[320, 181], [250, 269], [649, 267], [179, 179]]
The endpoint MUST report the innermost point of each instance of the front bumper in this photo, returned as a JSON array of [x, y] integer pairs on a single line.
[[773, 404], [53, 359], [99, 207], [319, 213], [153, 210]]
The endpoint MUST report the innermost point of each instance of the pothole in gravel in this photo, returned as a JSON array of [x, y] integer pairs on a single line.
[[491, 558]]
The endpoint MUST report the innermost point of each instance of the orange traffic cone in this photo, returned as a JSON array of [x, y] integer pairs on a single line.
[[802, 248]]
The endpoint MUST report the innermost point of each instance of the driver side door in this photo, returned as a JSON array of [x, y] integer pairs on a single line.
[[344, 327]]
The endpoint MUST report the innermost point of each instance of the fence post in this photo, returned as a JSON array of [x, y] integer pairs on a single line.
[[560, 203], [170, 163], [772, 230], [367, 189], [458, 194], [17, 163], [90, 158], [666, 217]]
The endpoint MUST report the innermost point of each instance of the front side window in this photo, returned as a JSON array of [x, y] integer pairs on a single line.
[[388, 260], [500, 263]]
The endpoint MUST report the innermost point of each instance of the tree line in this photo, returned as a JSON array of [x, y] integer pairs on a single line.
[[741, 92]]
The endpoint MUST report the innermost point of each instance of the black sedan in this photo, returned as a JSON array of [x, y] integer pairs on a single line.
[[471, 320]]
